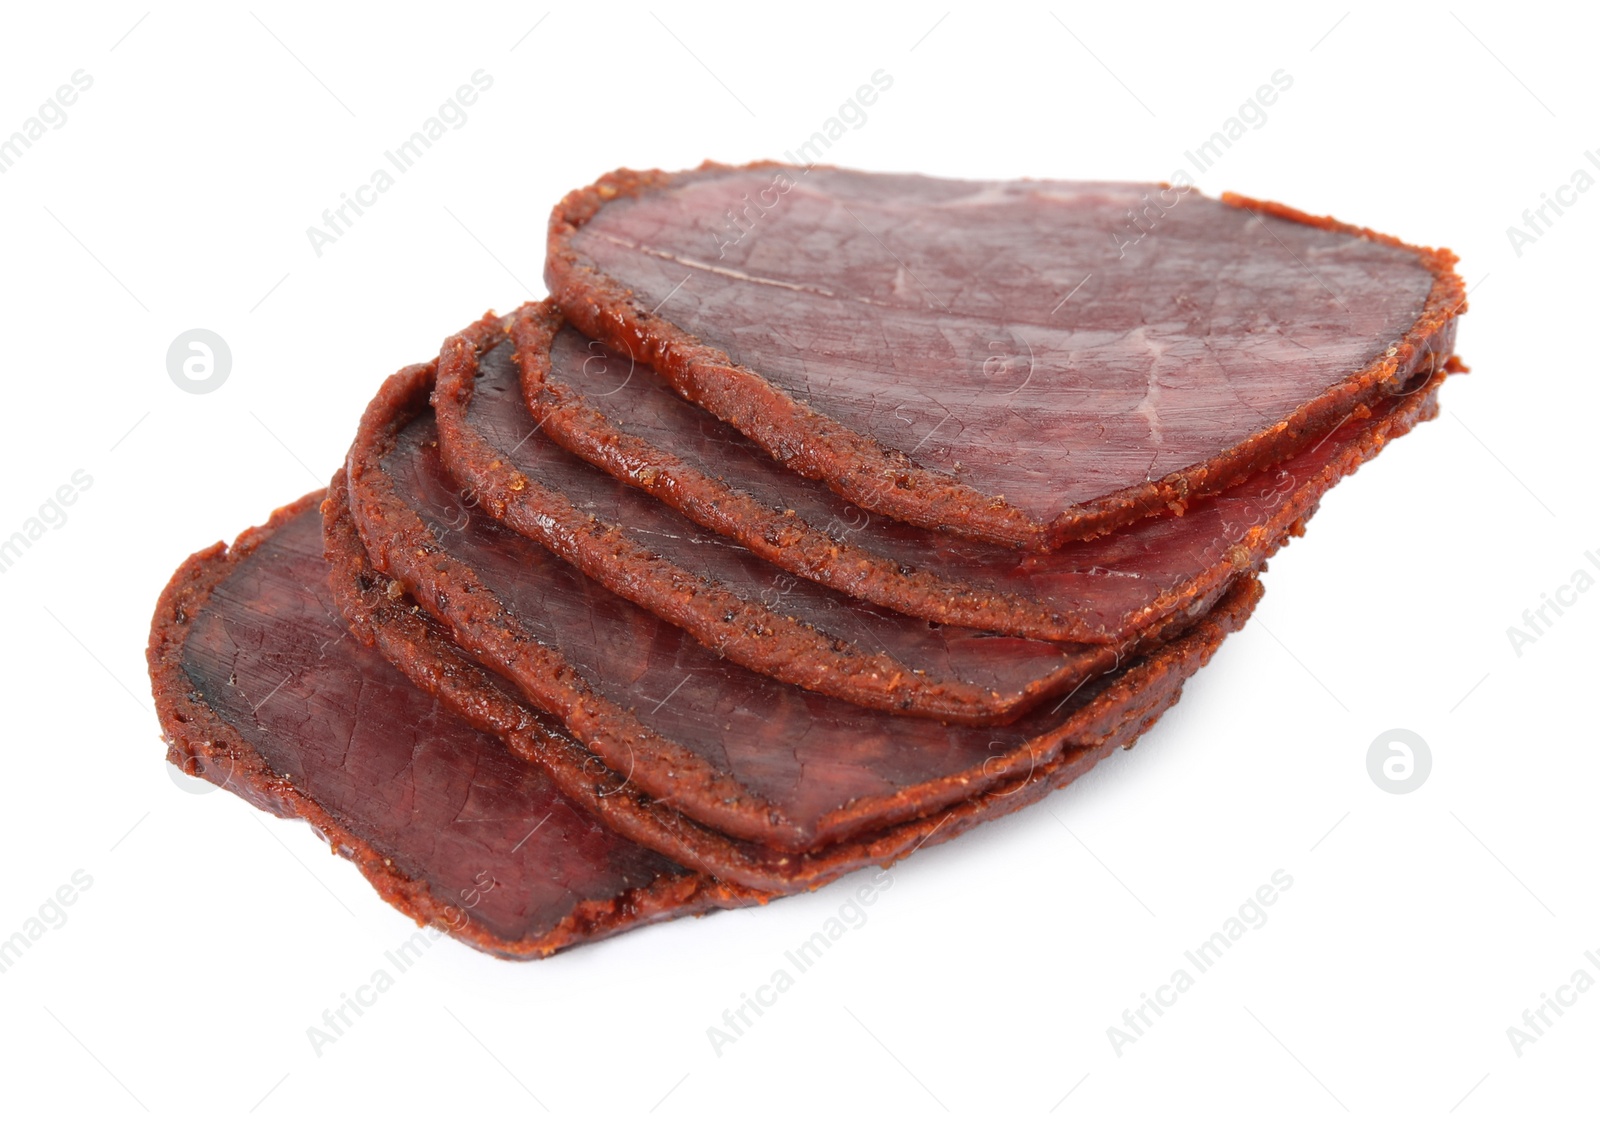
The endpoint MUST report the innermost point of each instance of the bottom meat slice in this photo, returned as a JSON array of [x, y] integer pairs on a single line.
[[261, 689]]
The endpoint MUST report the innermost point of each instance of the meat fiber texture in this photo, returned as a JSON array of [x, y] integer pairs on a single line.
[[803, 563], [261, 689], [1001, 360], [621, 416], [737, 751], [728, 599], [1114, 714]]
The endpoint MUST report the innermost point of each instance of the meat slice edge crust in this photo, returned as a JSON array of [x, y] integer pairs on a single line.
[[620, 416], [738, 752], [890, 481], [627, 885], [743, 608], [1117, 712]]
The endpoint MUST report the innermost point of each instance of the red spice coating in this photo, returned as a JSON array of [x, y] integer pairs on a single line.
[[875, 473], [619, 416], [225, 619], [1114, 714], [737, 751], [743, 608]]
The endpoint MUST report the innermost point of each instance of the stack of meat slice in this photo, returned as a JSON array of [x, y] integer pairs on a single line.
[[817, 517]]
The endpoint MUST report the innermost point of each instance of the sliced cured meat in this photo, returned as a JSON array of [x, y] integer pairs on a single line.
[[1026, 362], [260, 688], [621, 416], [1113, 713], [737, 751], [742, 607]]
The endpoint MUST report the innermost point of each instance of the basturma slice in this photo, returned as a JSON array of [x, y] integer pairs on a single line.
[[739, 752], [1025, 362], [732, 602], [1114, 713], [260, 688], [621, 416]]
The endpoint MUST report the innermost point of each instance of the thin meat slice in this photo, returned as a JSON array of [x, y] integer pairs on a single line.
[[260, 688], [1025, 362], [1112, 714], [621, 416], [742, 607], [737, 751]]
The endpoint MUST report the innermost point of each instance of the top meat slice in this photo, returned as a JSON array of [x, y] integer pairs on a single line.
[[1025, 362]]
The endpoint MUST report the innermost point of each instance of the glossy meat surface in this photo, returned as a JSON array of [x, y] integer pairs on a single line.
[[1022, 361], [1110, 715], [731, 600], [624, 417], [461, 834], [735, 750]]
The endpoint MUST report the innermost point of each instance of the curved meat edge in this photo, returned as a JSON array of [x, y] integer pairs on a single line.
[[821, 448], [788, 539], [200, 743], [380, 613], [747, 631]]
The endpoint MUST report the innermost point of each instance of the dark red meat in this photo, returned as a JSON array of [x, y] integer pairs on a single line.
[[1113, 713], [260, 688], [1019, 361], [735, 750], [731, 601], [621, 416]]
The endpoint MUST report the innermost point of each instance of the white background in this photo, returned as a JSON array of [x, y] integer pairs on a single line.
[[1418, 928]]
